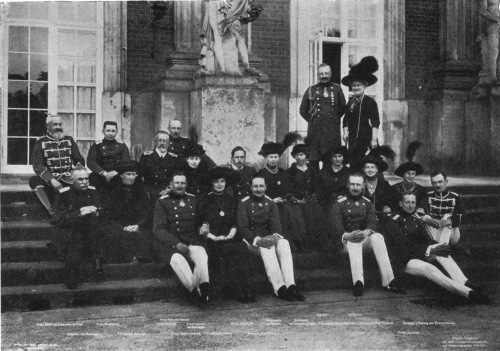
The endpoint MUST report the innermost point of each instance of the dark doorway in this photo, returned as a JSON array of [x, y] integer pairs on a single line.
[[331, 56]]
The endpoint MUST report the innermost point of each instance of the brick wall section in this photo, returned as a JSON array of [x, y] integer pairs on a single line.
[[271, 42], [422, 45], [142, 70]]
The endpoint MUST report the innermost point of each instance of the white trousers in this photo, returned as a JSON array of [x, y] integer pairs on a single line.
[[446, 235], [191, 279], [424, 269], [375, 243], [277, 262]]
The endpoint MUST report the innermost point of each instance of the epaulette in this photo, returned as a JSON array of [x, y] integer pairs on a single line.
[[430, 192], [63, 190], [336, 84], [395, 217], [365, 198], [267, 197], [341, 199], [92, 187], [245, 198], [41, 137], [97, 142], [451, 192], [147, 153], [188, 194], [163, 197]]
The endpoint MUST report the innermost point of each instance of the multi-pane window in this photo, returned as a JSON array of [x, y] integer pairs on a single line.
[[53, 63]]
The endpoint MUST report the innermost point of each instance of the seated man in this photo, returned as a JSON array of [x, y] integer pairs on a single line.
[[416, 253], [78, 215], [129, 208], [104, 156], [443, 211], [355, 224], [242, 188], [54, 155], [156, 167], [175, 225], [258, 222]]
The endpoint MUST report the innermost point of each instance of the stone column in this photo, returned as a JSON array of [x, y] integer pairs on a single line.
[[395, 107]]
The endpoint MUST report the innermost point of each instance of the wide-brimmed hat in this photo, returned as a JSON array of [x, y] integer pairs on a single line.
[[410, 165], [271, 148], [363, 71], [195, 150], [381, 164], [223, 172], [342, 150], [306, 149], [127, 166]]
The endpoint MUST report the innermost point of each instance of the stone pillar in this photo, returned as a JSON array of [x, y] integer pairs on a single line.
[[395, 107], [229, 111], [495, 130], [477, 136]]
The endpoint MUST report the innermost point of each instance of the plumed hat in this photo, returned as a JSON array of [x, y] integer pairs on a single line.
[[127, 166], [342, 150], [410, 165], [271, 148], [195, 150], [223, 172], [291, 138], [363, 71], [306, 149], [381, 164]]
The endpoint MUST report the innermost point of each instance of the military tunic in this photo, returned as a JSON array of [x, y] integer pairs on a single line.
[[331, 186], [322, 107], [257, 217], [350, 213], [157, 171], [104, 155], [242, 188], [179, 146]]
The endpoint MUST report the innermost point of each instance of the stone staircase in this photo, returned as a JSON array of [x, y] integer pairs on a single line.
[[33, 280]]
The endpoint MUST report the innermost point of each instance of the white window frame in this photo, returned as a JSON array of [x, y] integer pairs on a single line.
[[53, 26]]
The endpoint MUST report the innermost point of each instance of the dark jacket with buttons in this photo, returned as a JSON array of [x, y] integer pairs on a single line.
[[350, 213], [278, 184], [447, 204], [257, 217], [104, 155], [176, 221], [179, 146], [331, 185], [156, 171], [242, 188], [303, 183]]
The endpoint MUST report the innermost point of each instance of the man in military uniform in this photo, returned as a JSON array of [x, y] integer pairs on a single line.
[[156, 167], [258, 222], [355, 224], [104, 155], [54, 155], [415, 252], [182, 239], [78, 217], [443, 211], [238, 158], [322, 107]]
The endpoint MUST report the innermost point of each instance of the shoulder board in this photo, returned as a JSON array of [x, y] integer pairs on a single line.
[[395, 217], [245, 198], [147, 153], [163, 197], [430, 192], [188, 194], [97, 142], [267, 197], [336, 84], [365, 198], [63, 190], [91, 187], [341, 199], [40, 138], [453, 193]]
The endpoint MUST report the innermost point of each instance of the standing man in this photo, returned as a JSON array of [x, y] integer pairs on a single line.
[[416, 253], [242, 188], [54, 156], [182, 239], [78, 216], [322, 107], [156, 167], [104, 156], [258, 221], [355, 224], [443, 211]]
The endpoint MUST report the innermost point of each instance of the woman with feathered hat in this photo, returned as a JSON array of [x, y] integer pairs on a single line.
[[361, 119]]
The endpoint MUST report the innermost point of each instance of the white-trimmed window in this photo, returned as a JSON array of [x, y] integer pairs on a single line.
[[52, 62]]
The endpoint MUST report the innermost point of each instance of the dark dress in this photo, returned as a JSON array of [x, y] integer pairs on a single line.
[[360, 117], [382, 196], [198, 180], [331, 185], [227, 258], [129, 205]]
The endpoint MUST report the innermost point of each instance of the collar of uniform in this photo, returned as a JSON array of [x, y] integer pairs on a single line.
[[52, 138], [159, 153], [175, 196], [236, 168], [258, 199], [443, 194], [355, 198], [106, 141]]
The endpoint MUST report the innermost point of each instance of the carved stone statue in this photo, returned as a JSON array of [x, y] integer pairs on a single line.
[[221, 38]]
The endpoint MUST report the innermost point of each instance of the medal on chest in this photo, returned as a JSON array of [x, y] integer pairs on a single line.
[[325, 93], [260, 204], [356, 203], [279, 182], [222, 214], [182, 203]]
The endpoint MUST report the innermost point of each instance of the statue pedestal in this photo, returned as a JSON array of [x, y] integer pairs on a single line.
[[230, 111]]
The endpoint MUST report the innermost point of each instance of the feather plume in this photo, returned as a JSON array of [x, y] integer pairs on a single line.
[[290, 138], [411, 149], [383, 150]]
